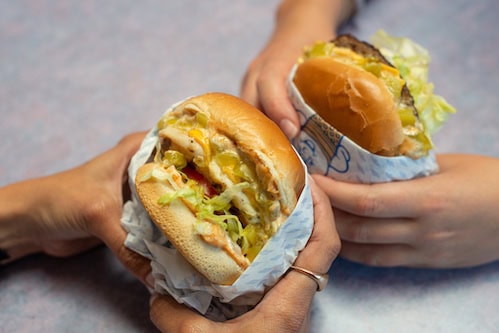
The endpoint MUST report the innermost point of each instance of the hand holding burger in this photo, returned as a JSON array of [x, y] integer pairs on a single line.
[[72, 211], [292, 295]]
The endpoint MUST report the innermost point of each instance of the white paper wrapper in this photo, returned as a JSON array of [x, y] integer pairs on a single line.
[[326, 151], [174, 275]]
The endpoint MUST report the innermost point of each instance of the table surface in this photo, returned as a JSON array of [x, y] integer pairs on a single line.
[[77, 76]]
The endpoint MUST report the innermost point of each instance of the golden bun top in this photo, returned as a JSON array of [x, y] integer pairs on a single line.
[[256, 136], [353, 101]]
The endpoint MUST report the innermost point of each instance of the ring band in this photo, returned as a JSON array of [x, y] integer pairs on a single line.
[[320, 279]]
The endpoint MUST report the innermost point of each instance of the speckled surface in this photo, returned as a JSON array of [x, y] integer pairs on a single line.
[[75, 76]]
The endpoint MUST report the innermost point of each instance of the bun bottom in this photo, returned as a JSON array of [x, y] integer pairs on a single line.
[[177, 222]]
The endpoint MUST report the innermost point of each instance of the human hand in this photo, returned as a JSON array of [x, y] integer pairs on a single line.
[[285, 308], [72, 211], [264, 84], [447, 220]]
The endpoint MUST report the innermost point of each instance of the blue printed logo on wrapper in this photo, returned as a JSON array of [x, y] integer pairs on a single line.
[[321, 148], [327, 151]]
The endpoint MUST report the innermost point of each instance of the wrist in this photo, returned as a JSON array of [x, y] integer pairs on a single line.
[[301, 23], [306, 20], [17, 222], [319, 17]]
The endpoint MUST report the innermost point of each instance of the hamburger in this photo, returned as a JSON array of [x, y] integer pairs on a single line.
[[356, 89], [221, 181]]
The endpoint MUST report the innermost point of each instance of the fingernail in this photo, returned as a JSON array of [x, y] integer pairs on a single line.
[[289, 128]]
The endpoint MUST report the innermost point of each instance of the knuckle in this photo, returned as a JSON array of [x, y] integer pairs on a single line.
[[360, 233], [98, 210], [438, 248], [368, 204], [370, 258], [375, 260], [332, 248], [260, 82], [382, 259], [355, 231]]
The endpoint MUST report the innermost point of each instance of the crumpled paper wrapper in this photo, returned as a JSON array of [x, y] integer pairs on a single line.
[[175, 276], [328, 152]]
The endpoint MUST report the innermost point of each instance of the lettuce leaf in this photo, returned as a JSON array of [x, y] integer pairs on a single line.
[[412, 61]]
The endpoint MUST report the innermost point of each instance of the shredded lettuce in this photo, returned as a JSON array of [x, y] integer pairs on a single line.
[[412, 61], [222, 201], [193, 195], [216, 210]]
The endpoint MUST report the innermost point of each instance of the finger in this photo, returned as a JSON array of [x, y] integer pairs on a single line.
[[114, 237], [127, 147], [381, 255], [116, 161], [289, 300], [129, 144], [170, 316], [394, 199], [108, 227], [248, 90], [359, 229], [276, 104], [123, 151], [291, 297], [67, 248], [324, 243], [138, 265]]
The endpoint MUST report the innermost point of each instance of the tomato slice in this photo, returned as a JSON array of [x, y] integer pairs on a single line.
[[193, 174]]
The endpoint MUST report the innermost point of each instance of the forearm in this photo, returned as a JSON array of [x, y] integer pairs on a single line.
[[311, 20], [16, 220]]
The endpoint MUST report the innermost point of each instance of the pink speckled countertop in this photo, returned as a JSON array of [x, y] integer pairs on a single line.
[[75, 76]]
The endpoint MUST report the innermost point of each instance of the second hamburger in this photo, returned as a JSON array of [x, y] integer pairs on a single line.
[[353, 87]]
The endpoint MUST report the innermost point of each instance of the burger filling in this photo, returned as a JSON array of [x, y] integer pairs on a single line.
[[239, 197]]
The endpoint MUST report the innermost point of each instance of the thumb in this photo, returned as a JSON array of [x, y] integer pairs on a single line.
[[278, 107]]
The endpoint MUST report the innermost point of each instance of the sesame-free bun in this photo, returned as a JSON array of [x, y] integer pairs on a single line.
[[176, 222], [353, 101], [239, 127], [258, 137]]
